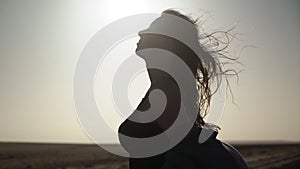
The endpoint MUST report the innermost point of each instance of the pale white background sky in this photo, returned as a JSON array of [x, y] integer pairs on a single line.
[[40, 42]]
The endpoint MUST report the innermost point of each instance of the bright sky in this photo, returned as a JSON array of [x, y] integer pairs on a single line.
[[40, 42]]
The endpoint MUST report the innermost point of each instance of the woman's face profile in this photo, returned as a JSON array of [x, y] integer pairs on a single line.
[[161, 35], [151, 40], [155, 37]]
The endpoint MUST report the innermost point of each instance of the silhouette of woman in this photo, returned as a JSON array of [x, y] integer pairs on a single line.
[[188, 153]]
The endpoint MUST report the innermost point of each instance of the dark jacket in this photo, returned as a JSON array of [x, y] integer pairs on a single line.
[[190, 154], [187, 154]]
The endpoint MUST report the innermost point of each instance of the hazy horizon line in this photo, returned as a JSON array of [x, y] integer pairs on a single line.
[[257, 142]]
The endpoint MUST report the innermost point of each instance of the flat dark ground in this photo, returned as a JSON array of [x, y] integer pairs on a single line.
[[69, 156]]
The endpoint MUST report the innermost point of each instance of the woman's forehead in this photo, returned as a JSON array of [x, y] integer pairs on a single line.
[[156, 24], [170, 23]]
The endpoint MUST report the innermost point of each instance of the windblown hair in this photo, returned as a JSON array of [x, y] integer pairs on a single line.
[[208, 70]]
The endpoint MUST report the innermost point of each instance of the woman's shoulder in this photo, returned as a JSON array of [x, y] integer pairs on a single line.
[[212, 153], [235, 154]]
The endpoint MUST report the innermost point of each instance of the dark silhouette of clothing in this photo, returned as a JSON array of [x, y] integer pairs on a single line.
[[212, 154], [187, 154], [190, 154]]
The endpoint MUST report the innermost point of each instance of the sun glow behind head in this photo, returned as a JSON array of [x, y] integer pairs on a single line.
[[115, 9]]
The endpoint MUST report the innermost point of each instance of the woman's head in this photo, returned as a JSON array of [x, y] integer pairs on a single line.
[[184, 44]]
